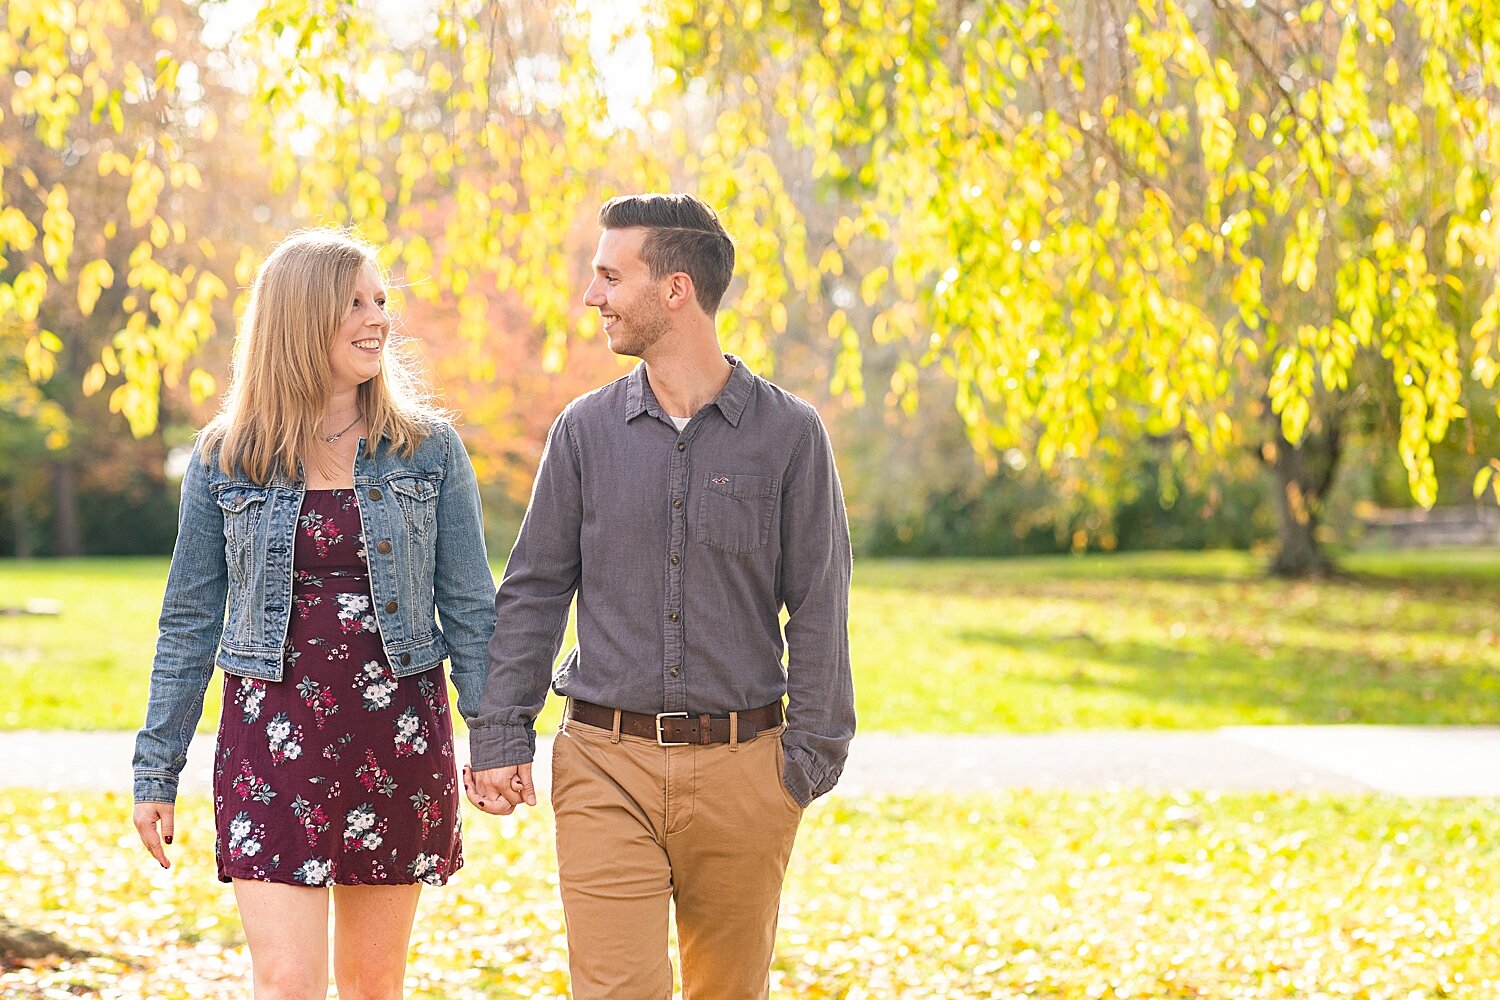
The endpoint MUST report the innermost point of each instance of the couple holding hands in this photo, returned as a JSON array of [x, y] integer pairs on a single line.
[[331, 508]]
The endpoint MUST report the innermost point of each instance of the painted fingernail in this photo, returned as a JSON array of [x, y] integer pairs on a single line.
[[168, 839]]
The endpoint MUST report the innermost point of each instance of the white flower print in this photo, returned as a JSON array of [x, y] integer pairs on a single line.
[[285, 739], [244, 837], [427, 868], [354, 613], [250, 693], [376, 683], [411, 734], [363, 829], [314, 871]]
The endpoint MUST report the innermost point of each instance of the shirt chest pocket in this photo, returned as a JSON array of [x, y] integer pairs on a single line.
[[735, 511], [417, 497], [243, 508]]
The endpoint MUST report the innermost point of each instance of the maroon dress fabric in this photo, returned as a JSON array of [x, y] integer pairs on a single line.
[[341, 773]]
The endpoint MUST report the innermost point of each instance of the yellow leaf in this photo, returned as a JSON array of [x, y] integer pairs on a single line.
[[1482, 481], [57, 231], [40, 362], [1306, 273], [95, 276], [201, 385], [93, 379]]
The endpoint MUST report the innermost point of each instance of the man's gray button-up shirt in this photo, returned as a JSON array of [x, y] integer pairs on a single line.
[[683, 548]]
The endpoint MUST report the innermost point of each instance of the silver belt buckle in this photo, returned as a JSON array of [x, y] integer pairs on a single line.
[[668, 715]]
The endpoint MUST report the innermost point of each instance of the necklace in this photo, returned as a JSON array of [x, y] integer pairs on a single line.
[[334, 437]]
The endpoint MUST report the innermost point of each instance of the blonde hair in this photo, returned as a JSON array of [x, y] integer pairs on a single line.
[[280, 378]]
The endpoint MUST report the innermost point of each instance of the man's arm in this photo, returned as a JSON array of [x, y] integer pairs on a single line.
[[815, 570], [531, 609]]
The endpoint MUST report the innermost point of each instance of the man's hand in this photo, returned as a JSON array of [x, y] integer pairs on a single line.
[[499, 790], [154, 821]]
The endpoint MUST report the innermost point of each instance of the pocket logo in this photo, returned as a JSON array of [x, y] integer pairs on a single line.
[[721, 480]]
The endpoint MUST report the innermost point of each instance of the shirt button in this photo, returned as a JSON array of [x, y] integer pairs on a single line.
[[674, 671], [384, 547], [405, 659], [375, 493], [673, 616], [677, 503], [682, 446], [674, 559], [390, 607]]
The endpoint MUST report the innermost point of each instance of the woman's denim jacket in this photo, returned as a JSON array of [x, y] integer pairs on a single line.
[[425, 543]]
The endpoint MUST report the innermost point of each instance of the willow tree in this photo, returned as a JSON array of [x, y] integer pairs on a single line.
[[1213, 223], [108, 273], [1208, 225], [465, 143]]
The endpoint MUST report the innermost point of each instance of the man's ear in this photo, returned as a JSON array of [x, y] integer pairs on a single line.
[[680, 291]]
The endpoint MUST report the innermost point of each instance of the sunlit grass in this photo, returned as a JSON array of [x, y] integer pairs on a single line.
[[1160, 640], [1025, 894]]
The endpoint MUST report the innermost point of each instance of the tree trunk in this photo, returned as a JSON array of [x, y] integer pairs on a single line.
[[67, 536], [20, 523], [1302, 474]]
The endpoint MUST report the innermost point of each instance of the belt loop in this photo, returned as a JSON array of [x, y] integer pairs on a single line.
[[615, 735], [703, 732], [734, 732]]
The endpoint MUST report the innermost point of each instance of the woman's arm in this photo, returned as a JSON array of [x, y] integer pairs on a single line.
[[192, 618], [463, 587]]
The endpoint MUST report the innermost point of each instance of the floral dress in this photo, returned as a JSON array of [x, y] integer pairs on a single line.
[[341, 773]]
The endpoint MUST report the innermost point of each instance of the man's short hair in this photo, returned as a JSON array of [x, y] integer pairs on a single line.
[[685, 235]]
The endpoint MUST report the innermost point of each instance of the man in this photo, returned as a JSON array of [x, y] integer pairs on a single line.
[[686, 504]]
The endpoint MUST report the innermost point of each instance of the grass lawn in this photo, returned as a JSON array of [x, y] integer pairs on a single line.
[[1055, 895], [1169, 640]]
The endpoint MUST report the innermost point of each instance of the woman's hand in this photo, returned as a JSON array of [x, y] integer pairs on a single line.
[[499, 790], [150, 815]]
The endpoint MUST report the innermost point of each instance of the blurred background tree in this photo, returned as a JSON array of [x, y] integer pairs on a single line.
[[1061, 276]]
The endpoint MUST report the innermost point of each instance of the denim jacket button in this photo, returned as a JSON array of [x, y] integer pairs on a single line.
[[375, 493], [390, 607], [384, 547], [406, 659]]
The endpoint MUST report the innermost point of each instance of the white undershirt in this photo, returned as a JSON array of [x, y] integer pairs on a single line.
[[681, 422]]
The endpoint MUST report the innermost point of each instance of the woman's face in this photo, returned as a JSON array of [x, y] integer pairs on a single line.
[[355, 355]]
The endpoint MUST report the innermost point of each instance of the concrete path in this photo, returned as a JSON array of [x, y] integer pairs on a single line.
[[1399, 760]]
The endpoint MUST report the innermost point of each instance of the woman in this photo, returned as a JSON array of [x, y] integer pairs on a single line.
[[332, 507]]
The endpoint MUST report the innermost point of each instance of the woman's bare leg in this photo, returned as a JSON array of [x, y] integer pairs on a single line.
[[286, 927], [371, 932]]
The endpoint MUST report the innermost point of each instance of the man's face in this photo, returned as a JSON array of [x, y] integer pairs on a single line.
[[629, 301]]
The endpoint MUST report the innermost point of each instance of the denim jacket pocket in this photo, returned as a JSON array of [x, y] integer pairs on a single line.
[[243, 507], [417, 497], [735, 511]]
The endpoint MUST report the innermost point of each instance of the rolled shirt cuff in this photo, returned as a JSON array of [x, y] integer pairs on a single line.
[[805, 776], [492, 746]]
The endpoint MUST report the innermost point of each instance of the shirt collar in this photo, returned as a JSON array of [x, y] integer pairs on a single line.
[[638, 396], [731, 399]]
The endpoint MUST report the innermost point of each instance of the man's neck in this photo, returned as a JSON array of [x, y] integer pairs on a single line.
[[686, 380]]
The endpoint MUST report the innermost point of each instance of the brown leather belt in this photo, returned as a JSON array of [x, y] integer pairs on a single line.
[[677, 729]]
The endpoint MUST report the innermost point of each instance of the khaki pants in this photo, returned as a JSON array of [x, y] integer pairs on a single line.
[[709, 828]]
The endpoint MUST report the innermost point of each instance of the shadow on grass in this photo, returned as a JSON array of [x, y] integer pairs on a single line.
[[1292, 684], [1440, 574]]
